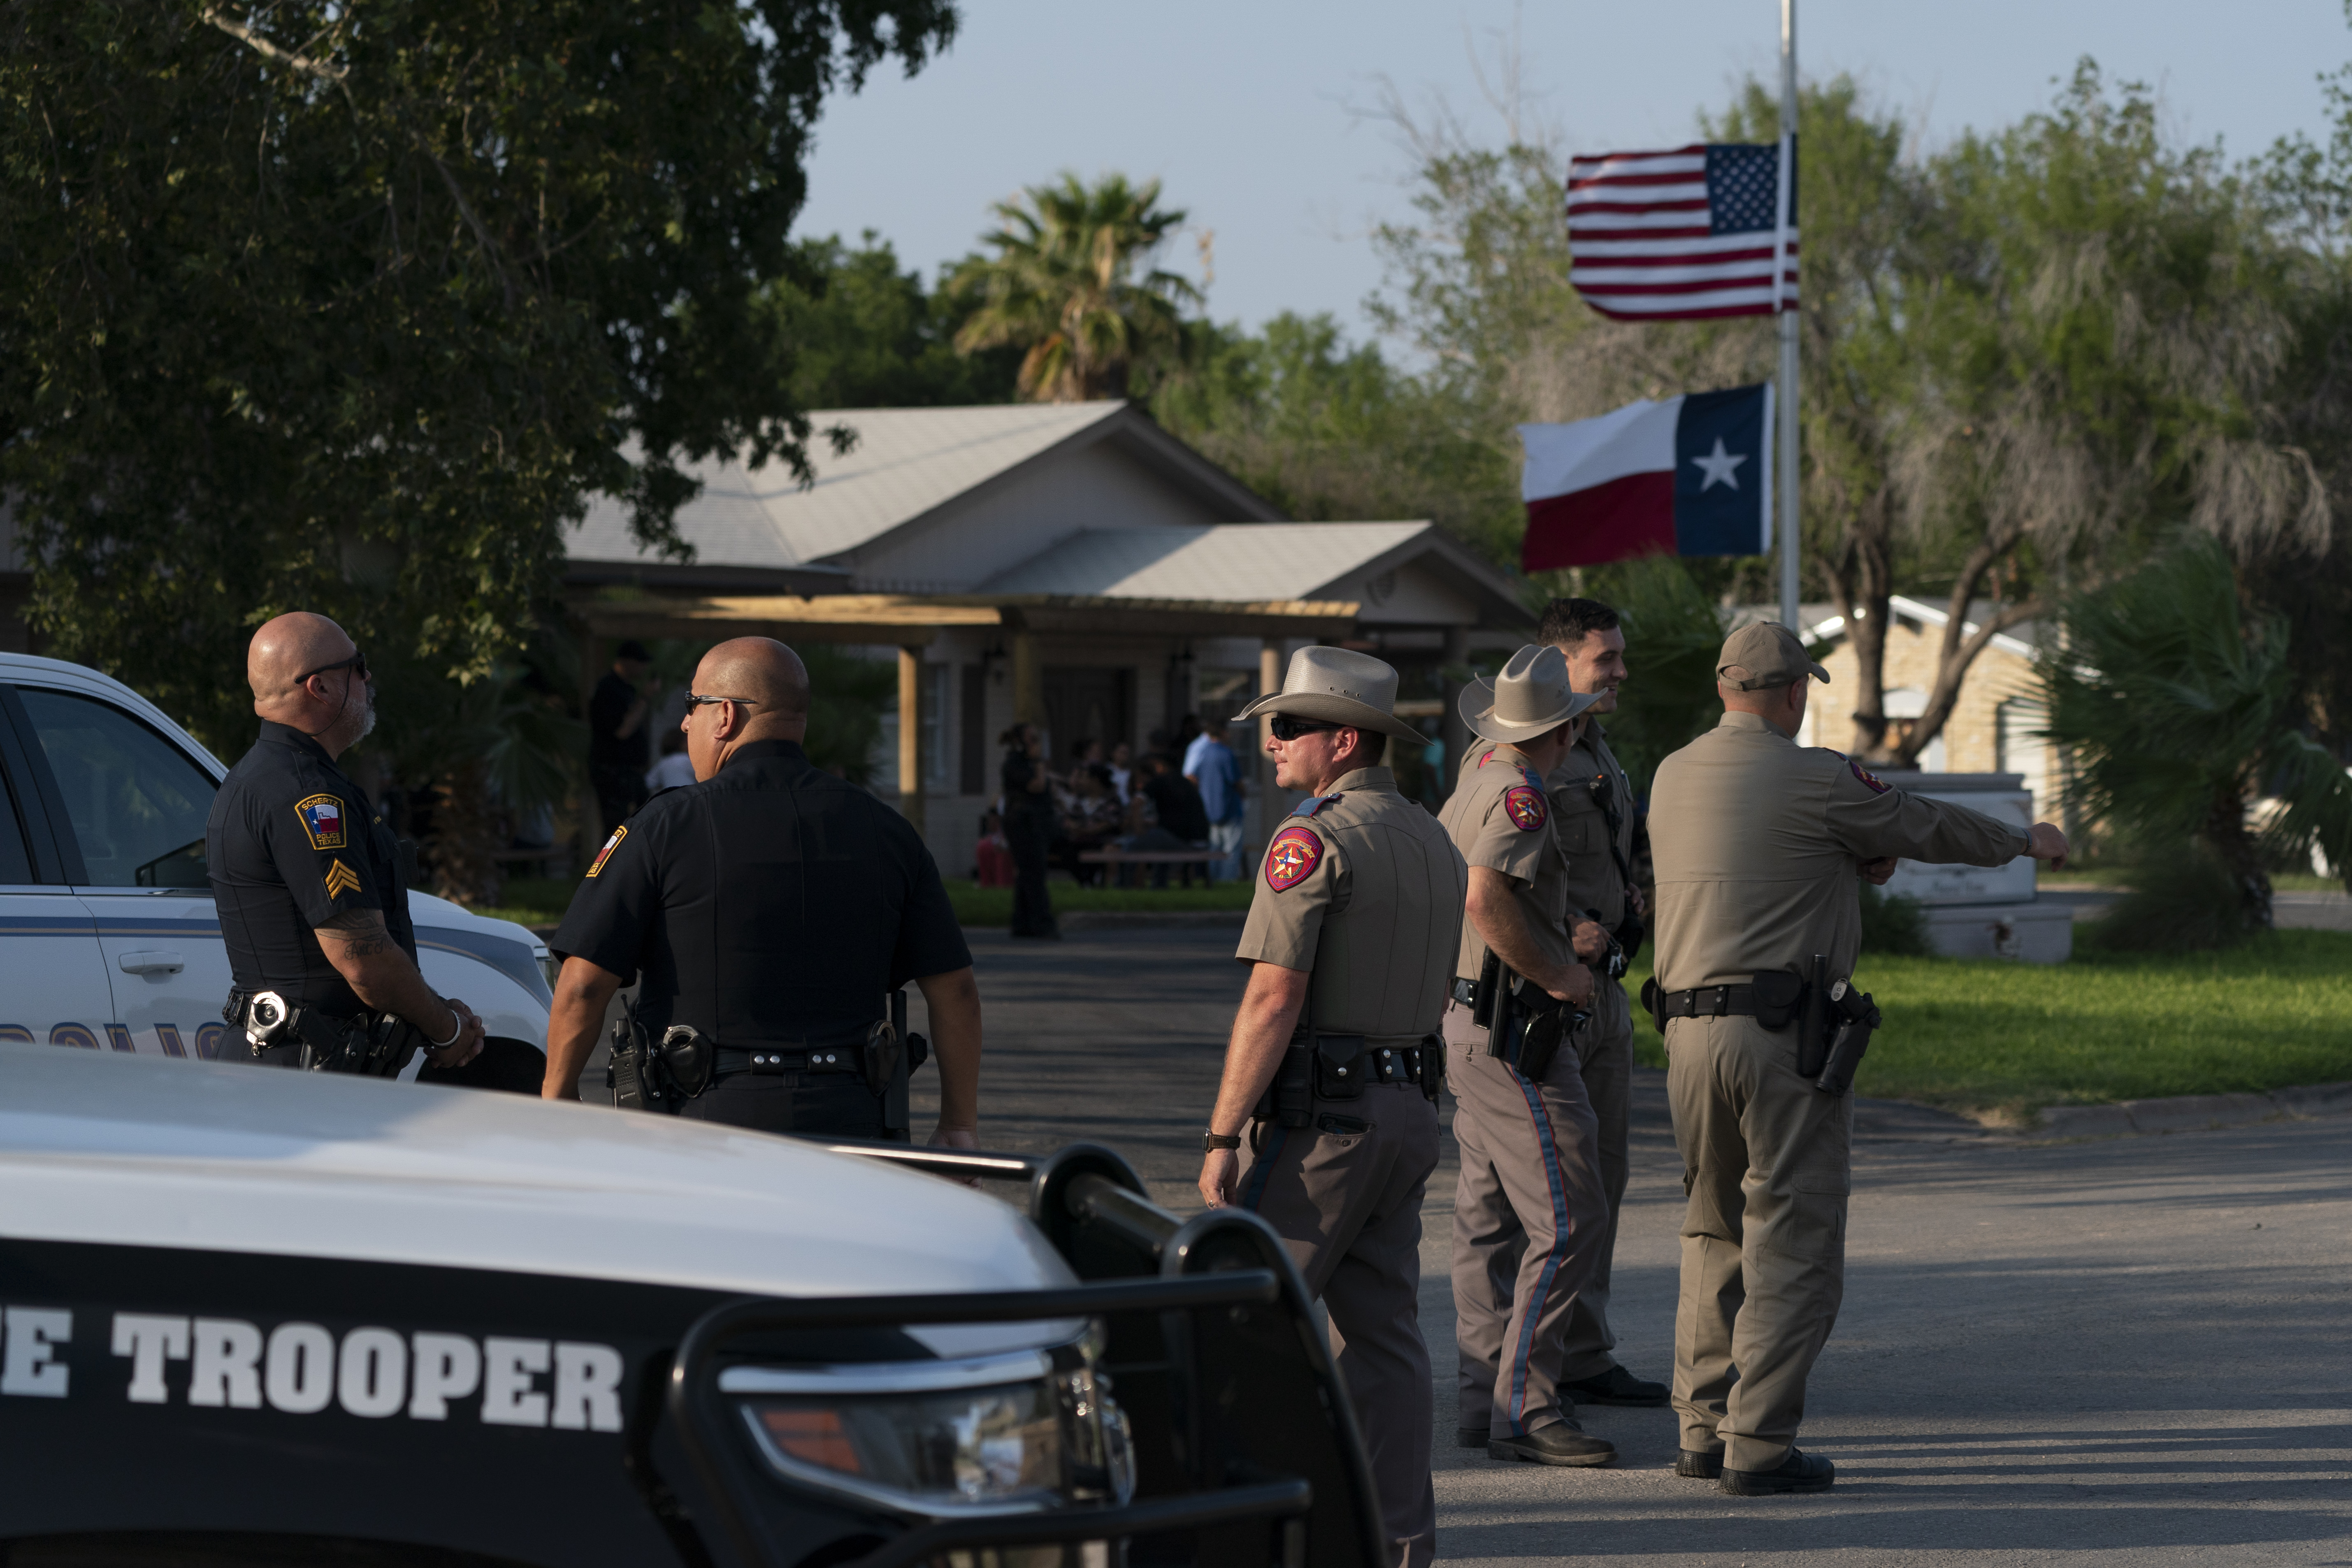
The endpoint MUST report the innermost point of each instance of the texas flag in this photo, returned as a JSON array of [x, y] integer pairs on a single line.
[[1690, 476]]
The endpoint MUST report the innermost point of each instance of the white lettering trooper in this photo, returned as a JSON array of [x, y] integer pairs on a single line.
[[301, 1369]]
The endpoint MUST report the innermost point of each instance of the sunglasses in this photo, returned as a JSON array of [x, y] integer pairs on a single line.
[[356, 664], [1286, 728], [694, 701]]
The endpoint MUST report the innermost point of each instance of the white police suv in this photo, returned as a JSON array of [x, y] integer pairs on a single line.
[[295, 1318], [109, 940]]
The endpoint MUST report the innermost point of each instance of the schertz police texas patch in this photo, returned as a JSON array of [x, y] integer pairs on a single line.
[[1295, 852], [1876, 784], [321, 816], [1525, 807], [606, 853]]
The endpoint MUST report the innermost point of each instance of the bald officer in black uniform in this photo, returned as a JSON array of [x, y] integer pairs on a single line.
[[773, 908], [312, 905]]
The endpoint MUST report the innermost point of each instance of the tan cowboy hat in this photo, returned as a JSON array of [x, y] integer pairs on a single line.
[[1530, 697], [1339, 687]]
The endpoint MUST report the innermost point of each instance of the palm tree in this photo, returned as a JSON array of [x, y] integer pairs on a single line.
[[2180, 715], [1062, 285]]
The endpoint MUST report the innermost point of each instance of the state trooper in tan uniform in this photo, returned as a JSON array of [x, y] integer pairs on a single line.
[[1594, 816], [1759, 844], [1530, 1214], [1334, 1063]]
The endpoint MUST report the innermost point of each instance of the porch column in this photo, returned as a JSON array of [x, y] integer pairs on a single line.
[[1028, 680], [910, 735]]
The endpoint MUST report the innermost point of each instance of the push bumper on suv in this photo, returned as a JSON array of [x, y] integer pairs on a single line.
[[1195, 1417]]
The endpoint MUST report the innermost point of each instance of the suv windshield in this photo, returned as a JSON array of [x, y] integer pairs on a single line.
[[137, 806]]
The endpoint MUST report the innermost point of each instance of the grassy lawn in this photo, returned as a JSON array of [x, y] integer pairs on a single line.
[[532, 900], [979, 906], [2121, 876], [2000, 1040]]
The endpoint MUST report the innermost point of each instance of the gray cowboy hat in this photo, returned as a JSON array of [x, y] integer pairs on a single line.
[[1339, 687], [1530, 697]]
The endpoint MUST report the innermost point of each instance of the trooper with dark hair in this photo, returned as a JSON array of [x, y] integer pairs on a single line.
[[1599, 830], [771, 909]]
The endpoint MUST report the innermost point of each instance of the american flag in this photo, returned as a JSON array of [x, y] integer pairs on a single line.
[[1681, 236]]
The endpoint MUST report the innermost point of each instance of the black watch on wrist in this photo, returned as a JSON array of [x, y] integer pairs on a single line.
[[1212, 1142]]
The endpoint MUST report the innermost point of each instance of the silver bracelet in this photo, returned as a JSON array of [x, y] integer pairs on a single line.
[[434, 1045]]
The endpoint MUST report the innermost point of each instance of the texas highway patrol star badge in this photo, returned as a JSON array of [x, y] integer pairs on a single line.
[[1294, 852], [1524, 804]]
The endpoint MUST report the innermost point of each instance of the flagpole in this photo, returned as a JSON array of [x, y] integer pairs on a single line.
[[1786, 460]]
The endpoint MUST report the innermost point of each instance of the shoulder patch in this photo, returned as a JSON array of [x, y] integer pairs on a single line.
[[1871, 781], [321, 816], [341, 879], [1293, 853], [1524, 804], [610, 844]]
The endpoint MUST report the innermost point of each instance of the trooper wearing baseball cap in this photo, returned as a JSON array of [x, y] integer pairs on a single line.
[[1530, 1214], [1334, 1064], [1759, 845]]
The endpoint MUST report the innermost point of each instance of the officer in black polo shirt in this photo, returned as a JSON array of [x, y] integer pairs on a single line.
[[772, 908], [313, 912]]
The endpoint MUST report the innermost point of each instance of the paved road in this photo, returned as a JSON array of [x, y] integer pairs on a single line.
[[2114, 1352]]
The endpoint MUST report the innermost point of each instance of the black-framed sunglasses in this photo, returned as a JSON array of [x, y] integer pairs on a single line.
[[356, 664], [1286, 728], [694, 701]]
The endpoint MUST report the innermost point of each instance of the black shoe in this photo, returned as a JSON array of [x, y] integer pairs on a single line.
[[1564, 1443], [1699, 1464], [1616, 1386], [1796, 1473], [1469, 1437]]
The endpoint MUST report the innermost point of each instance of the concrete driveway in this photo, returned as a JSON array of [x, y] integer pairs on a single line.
[[2124, 1352]]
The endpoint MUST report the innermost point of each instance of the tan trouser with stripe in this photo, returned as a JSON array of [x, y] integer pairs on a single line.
[[1766, 1160], [1347, 1206], [1605, 1054], [1528, 1218]]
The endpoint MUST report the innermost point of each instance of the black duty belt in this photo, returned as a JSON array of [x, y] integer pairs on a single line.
[[1709, 1002], [846, 1057]]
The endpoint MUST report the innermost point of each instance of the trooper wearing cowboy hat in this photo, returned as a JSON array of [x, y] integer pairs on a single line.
[[1333, 1066], [1531, 1214]]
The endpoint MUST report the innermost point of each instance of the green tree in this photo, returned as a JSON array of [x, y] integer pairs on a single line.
[[1064, 287], [1323, 430], [2180, 713], [350, 307], [865, 334], [2102, 346]]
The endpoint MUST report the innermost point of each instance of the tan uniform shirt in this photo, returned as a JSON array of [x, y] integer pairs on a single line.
[[1499, 817], [1594, 882], [1366, 893], [1758, 842]]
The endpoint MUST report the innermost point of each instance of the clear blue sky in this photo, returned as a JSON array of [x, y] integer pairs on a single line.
[[1243, 110]]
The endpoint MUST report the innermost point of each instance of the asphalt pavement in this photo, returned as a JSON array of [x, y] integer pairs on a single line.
[[2116, 1352]]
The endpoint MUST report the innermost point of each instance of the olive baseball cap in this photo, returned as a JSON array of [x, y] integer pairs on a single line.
[[1762, 655]]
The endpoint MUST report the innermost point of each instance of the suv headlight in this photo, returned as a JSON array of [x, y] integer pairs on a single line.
[[1001, 1433]]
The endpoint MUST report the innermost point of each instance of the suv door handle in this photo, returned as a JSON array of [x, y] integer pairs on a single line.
[[151, 963]]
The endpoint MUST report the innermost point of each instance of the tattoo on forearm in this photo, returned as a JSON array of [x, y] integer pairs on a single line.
[[357, 933]]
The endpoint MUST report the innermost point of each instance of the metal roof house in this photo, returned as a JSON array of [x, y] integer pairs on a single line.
[[1073, 564]]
